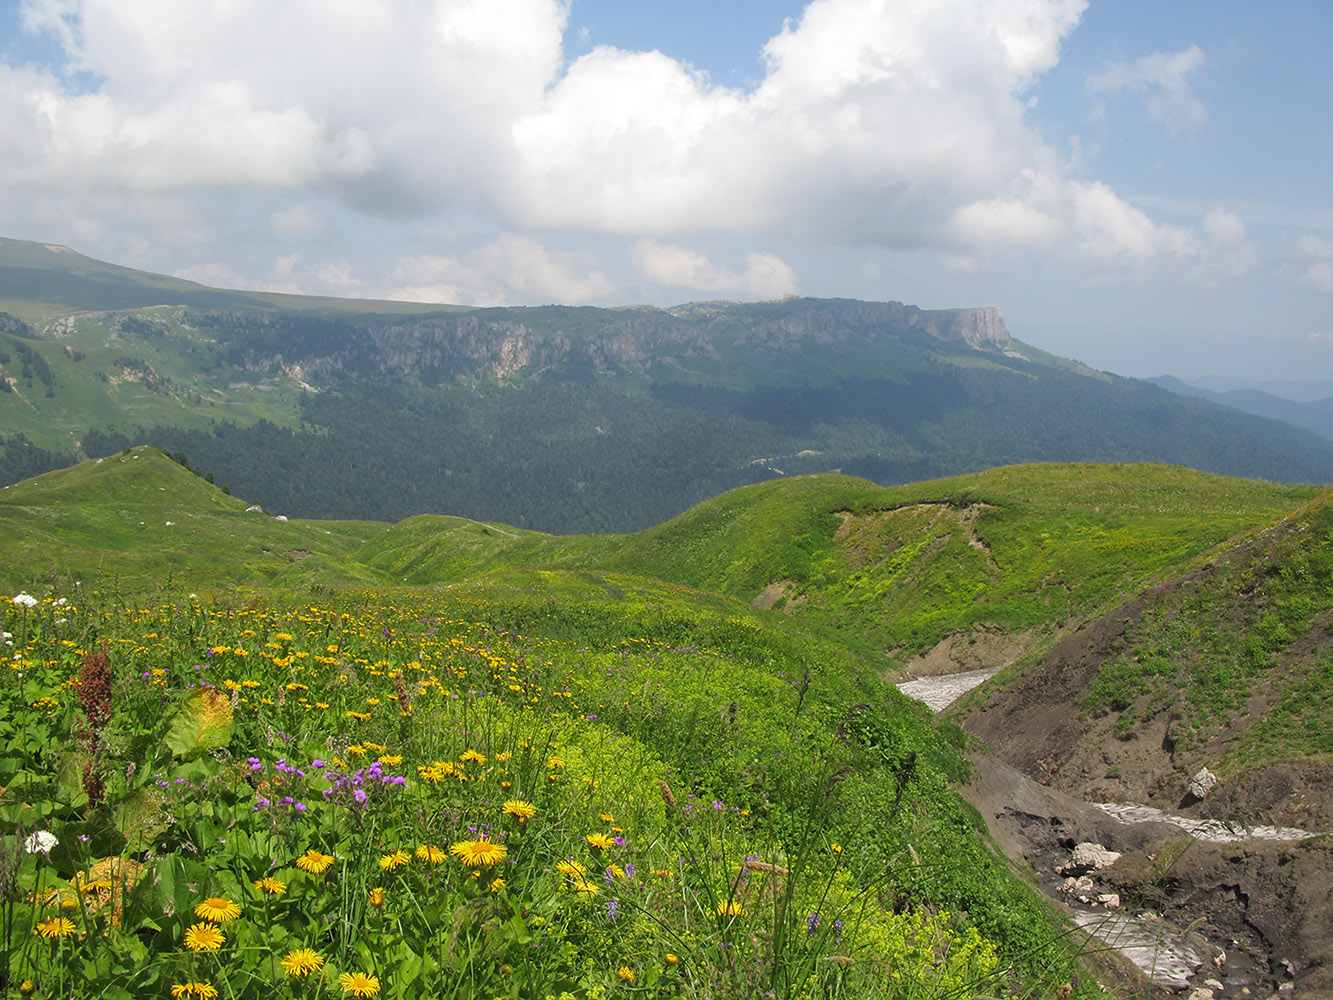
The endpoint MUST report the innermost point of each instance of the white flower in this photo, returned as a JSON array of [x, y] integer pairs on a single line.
[[42, 840], [25, 600]]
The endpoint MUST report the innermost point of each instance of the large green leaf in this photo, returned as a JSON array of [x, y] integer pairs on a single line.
[[202, 724]]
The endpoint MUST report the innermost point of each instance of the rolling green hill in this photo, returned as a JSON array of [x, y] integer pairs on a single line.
[[1018, 551]]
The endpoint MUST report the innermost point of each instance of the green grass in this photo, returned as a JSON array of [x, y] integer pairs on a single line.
[[775, 819]]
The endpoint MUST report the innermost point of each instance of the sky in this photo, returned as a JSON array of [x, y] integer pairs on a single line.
[[1141, 186]]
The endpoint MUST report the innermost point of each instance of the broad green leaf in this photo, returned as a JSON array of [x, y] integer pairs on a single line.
[[202, 724]]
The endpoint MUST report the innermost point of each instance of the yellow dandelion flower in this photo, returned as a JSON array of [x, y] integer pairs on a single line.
[[663, 873], [205, 937], [625, 974], [302, 962], [607, 818], [472, 755], [314, 862], [376, 897], [587, 888], [497, 884], [356, 749], [389, 862], [478, 853], [506, 755], [27, 988], [204, 991], [217, 909], [555, 762], [391, 759], [430, 853], [615, 871], [671, 959], [270, 886], [729, 908], [835, 848], [523, 811], [359, 984], [54, 928], [599, 840], [572, 868]]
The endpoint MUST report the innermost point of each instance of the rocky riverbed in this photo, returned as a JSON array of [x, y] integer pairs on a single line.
[[1205, 907]]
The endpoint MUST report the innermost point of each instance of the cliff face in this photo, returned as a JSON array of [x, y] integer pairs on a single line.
[[980, 328], [526, 342]]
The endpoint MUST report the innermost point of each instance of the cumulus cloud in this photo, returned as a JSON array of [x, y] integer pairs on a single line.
[[1162, 79], [508, 269], [671, 265], [895, 124]]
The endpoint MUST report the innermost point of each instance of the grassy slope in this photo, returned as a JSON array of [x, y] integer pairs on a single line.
[[1015, 549], [108, 519]]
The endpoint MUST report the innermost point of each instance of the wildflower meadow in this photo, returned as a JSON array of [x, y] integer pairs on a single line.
[[513, 790]]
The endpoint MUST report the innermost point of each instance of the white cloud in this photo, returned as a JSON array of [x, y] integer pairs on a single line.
[[894, 124], [765, 276], [1162, 78], [1316, 270], [509, 269]]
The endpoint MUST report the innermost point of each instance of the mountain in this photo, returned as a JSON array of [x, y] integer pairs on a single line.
[[558, 418], [1314, 414]]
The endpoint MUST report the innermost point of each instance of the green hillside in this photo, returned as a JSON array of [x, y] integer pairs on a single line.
[[1225, 664], [1021, 550]]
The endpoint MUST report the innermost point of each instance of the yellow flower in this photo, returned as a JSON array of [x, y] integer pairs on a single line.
[[729, 908], [670, 958], [571, 868], [217, 909], [615, 871], [431, 853], [205, 991], [472, 755], [270, 886], [555, 762], [54, 928], [314, 862], [497, 884], [359, 984], [27, 988], [522, 810], [376, 897], [599, 840], [478, 853], [391, 861], [205, 937], [392, 759], [302, 962], [587, 888], [607, 818], [625, 973], [835, 848]]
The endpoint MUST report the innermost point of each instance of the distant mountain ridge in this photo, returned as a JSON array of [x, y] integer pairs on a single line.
[[1315, 415], [566, 419]]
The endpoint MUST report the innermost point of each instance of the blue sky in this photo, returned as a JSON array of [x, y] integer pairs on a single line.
[[1141, 186]]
